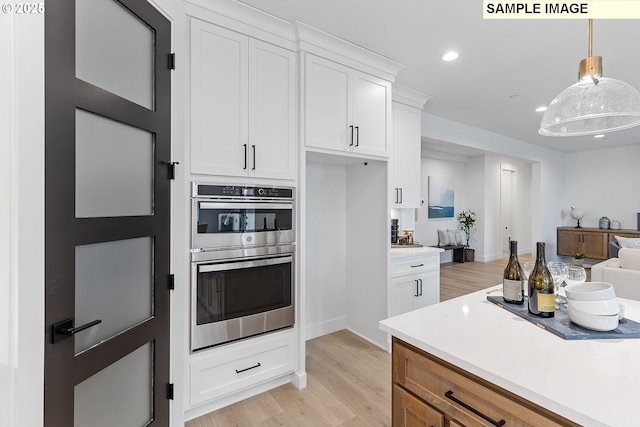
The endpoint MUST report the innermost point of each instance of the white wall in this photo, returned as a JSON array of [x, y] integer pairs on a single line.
[[547, 182], [326, 233], [22, 220], [426, 229], [603, 183]]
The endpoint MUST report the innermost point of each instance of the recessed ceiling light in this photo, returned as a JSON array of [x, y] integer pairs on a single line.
[[600, 135], [450, 56], [541, 109]]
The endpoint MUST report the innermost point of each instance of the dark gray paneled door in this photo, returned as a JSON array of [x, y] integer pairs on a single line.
[[107, 213]]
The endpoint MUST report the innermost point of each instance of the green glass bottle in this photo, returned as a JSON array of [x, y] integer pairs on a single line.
[[541, 301], [513, 277]]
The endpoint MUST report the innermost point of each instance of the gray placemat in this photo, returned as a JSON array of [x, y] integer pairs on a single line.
[[562, 326]]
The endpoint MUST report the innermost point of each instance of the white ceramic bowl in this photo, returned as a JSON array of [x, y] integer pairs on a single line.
[[590, 291], [606, 307], [593, 321]]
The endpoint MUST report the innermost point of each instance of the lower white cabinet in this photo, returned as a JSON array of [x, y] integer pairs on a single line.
[[222, 371], [415, 282]]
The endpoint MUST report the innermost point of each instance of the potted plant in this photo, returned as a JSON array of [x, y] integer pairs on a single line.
[[578, 258], [467, 221]]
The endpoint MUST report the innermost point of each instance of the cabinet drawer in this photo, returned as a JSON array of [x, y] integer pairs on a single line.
[[409, 411], [414, 265], [241, 366], [444, 386]]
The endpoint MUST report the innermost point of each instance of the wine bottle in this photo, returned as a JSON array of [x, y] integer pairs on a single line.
[[541, 301], [513, 277]]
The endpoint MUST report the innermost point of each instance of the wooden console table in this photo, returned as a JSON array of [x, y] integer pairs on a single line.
[[593, 242]]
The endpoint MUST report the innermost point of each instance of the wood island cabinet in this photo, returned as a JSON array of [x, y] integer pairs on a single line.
[[428, 391], [593, 242]]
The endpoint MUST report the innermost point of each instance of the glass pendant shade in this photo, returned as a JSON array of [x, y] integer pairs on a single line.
[[586, 108]]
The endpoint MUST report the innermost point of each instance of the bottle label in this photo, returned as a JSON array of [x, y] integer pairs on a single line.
[[512, 289], [546, 303]]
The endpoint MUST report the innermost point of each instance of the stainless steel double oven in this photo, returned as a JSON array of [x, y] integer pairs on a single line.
[[242, 262]]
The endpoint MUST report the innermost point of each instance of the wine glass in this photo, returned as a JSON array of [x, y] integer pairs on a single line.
[[527, 268], [558, 271], [575, 275]]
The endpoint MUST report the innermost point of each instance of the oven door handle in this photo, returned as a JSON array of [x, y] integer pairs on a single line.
[[250, 206], [222, 266]]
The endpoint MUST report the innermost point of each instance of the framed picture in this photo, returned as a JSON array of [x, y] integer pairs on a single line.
[[441, 196]]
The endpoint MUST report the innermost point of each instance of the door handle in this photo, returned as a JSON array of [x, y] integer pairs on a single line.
[[65, 329], [417, 292], [400, 195], [351, 145], [253, 148], [397, 198], [357, 136], [245, 156], [420, 286]]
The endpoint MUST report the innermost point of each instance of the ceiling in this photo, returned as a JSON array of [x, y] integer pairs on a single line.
[[506, 69]]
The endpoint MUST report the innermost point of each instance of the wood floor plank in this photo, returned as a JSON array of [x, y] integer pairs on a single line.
[[349, 379]]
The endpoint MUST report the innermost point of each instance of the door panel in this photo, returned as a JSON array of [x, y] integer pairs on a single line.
[[107, 223], [114, 283], [114, 168], [123, 390], [108, 36]]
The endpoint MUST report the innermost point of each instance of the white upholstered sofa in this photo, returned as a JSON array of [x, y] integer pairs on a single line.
[[622, 272]]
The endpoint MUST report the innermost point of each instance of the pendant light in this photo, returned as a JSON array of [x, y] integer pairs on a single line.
[[593, 105]]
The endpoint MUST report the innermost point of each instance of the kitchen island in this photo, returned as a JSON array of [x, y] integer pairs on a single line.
[[590, 382]]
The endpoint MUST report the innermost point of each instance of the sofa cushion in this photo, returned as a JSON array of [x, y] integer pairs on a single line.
[[628, 242], [629, 258]]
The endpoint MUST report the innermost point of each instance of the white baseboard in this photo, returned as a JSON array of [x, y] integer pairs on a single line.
[[327, 327], [299, 380], [377, 344]]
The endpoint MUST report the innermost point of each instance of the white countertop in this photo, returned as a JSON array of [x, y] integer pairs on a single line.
[[399, 252], [592, 382]]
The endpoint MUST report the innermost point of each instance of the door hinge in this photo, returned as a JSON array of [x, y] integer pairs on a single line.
[[170, 391], [172, 169], [172, 282], [172, 61]]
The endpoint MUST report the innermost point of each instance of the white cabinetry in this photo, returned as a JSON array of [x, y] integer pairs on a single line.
[[220, 372], [243, 105], [415, 282], [346, 110], [407, 133]]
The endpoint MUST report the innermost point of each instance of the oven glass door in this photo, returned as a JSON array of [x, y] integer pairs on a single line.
[[244, 288], [223, 217]]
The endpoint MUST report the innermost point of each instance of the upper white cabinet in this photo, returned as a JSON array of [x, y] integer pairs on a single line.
[[407, 134], [243, 105], [345, 109]]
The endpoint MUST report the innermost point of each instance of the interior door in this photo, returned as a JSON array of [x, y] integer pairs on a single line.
[[506, 208], [107, 207]]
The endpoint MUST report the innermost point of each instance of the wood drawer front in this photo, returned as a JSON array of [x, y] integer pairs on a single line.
[[430, 378], [414, 265], [409, 411], [228, 372]]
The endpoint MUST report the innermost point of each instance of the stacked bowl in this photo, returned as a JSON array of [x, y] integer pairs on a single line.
[[593, 305]]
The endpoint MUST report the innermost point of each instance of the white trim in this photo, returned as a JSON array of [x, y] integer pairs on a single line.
[[327, 327], [323, 44], [409, 97]]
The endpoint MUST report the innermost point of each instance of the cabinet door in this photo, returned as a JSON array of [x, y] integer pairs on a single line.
[[406, 156], [408, 411], [404, 292], [327, 104], [428, 290], [272, 108], [568, 242], [595, 245], [219, 94], [371, 114]]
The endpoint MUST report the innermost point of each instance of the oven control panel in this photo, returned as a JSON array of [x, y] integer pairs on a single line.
[[241, 191]]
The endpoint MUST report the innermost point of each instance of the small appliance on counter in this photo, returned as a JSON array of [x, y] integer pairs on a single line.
[[394, 230]]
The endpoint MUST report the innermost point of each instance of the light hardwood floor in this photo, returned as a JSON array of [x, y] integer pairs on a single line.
[[349, 379]]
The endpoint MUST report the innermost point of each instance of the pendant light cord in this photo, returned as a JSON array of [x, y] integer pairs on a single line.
[[590, 38]]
